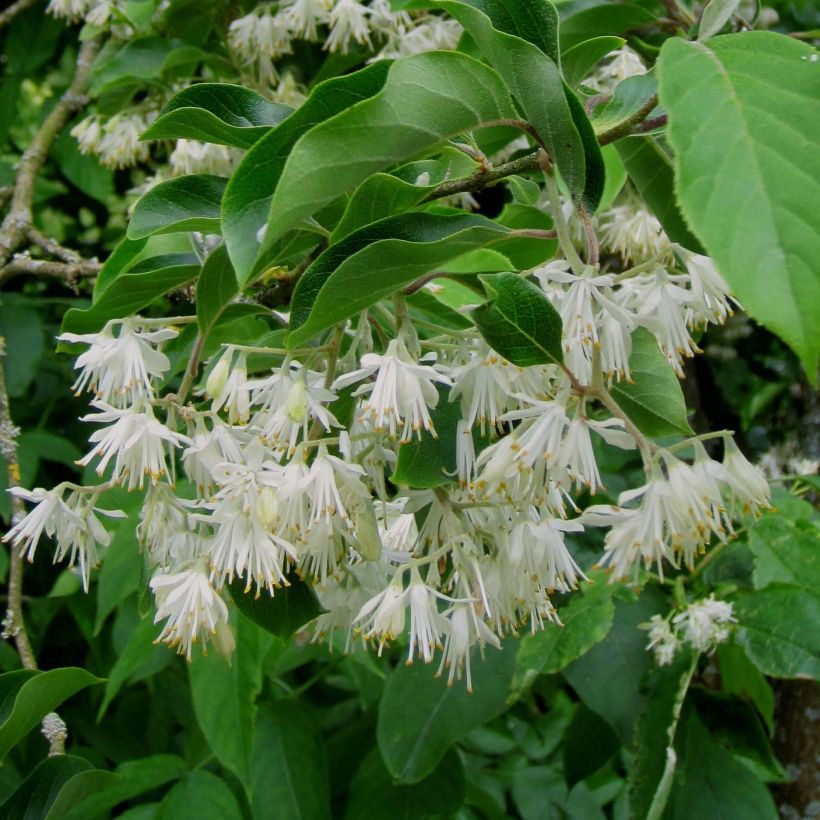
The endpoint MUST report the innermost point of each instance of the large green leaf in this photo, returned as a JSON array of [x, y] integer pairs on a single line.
[[247, 201], [621, 656], [773, 628], [133, 290], [426, 99], [519, 322], [288, 771], [420, 717], [785, 551], [654, 398], [189, 203], [602, 19], [200, 796], [710, 782], [650, 168], [57, 785], [651, 772], [751, 190], [215, 290], [134, 777], [586, 620], [217, 112], [378, 260], [281, 614], [374, 795], [224, 697], [535, 81], [27, 696], [577, 62]]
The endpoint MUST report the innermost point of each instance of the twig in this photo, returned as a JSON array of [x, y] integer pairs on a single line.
[[7, 15], [483, 179], [192, 369], [14, 625], [52, 247], [625, 128], [17, 225], [22, 265], [651, 124]]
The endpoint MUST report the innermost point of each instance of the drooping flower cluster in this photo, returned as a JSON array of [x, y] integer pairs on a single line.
[[702, 624]]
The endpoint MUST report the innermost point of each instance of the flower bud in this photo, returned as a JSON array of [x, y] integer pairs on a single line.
[[296, 405], [367, 531], [218, 376], [267, 507]]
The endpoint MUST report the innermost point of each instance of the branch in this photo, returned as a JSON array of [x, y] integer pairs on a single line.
[[69, 272], [16, 226], [13, 624], [483, 179], [7, 15], [625, 128]]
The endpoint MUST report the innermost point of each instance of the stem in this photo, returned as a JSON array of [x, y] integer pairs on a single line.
[[561, 227], [483, 179], [16, 227], [7, 15], [69, 272], [625, 128], [592, 239], [644, 444], [192, 369], [14, 625], [682, 445]]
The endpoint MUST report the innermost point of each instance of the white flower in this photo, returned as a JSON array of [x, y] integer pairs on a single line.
[[401, 394], [537, 547], [120, 145], [119, 369], [711, 301], [72, 522], [705, 623], [426, 624], [662, 640], [633, 232], [258, 39], [485, 385], [208, 449], [577, 454], [193, 157], [348, 21], [191, 608], [71, 10], [164, 518], [303, 16], [747, 483], [235, 394], [135, 438], [383, 616], [88, 133], [463, 630], [328, 479], [623, 63]]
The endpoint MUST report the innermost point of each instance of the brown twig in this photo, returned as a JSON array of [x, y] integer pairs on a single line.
[[69, 272], [13, 625], [483, 179], [17, 225], [52, 247], [8, 14]]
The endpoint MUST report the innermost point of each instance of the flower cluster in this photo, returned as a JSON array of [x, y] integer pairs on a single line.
[[703, 625]]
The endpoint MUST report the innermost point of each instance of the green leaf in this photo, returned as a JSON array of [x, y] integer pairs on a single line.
[[615, 176], [586, 619], [534, 80], [751, 191], [577, 62], [739, 676], [82, 170], [420, 717], [56, 785], [22, 328], [27, 696], [651, 772], [785, 551], [119, 576], [134, 778], [132, 291], [140, 658], [200, 796], [715, 16], [247, 201], [650, 168], [289, 778], [281, 614], [374, 795], [588, 744], [215, 290], [224, 697], [426, 99], [519, 322], [218, 113], [710, 782], [122, 257], [621, 656], [602, 20], [629, 97], [189, 203], [772, 628], [399, 249], [654, 399]]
